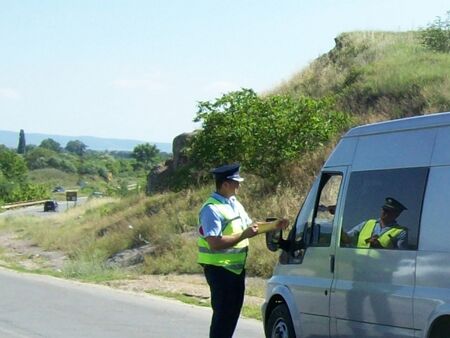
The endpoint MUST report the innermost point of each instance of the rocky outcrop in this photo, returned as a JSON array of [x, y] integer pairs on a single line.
[[158, 178], [178, 149], [130, 257]]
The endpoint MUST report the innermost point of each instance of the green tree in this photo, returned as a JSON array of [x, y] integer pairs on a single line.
[[145, 155], [39, 157], [12, 166], [13, 179], [22, 143], [76, 147], [262, 133], [29, 147], [437, 35], [51, 144]]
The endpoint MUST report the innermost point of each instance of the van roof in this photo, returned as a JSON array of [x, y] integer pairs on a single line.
[[416, 122]]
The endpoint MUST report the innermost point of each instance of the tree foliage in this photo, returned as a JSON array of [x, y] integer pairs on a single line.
[[437, 35], [51, 144], [12, 166], [39, 157], [262, 133], [13, 179], [22, 143], [145, 155], [76, 147]]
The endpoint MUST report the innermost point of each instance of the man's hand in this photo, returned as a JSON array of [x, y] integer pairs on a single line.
[[374, 242], [250, 232], [345, 238], [283, 224]]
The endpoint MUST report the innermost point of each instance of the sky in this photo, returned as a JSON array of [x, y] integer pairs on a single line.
[[136, 69]]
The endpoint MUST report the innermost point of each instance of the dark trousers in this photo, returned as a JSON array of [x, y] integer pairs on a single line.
[[227, 297]]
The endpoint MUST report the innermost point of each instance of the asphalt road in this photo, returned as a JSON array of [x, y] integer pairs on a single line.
[[34, 306], [38, 210]]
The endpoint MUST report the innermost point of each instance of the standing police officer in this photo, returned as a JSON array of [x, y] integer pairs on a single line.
[[222, 249]]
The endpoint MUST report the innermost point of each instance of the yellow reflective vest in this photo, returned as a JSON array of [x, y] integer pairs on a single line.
[[385, 238], [233, 258]]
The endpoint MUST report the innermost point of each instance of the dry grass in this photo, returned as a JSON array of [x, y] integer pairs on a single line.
[[390, 75], [90, 233]]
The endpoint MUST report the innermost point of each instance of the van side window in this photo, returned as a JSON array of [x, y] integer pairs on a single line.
[[290, 254], [322, 226], [315, 221], [383, 207], [304, 218]]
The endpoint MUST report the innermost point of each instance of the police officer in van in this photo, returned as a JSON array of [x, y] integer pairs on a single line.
[[384, 232], [224, 230]]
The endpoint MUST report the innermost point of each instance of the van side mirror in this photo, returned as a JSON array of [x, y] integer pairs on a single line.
[[273, 239]]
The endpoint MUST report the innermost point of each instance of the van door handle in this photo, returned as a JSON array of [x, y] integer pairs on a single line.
[[332, 259]]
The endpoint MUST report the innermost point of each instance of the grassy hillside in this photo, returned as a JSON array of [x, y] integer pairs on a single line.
[[85, 184], [91, 233], [372, 75], [54, 177], [378, 76]]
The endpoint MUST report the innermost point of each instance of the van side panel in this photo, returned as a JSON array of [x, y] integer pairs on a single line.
[[416, 122], [373, 290], [441, 153], [432, 267], [343, 154], [435, 224], [309, 284], [432, 293], [412, 148]]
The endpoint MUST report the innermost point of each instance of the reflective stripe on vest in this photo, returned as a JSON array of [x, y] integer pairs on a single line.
[[232, 258], [385, 238]]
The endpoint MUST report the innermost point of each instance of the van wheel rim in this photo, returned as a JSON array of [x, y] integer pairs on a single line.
[[280, 330]]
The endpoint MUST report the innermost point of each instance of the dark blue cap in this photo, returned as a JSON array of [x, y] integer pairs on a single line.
[[228, 172], [392, 204]]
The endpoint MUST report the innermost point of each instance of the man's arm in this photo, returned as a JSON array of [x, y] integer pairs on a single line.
[[348, 237], [345, 238], [227, 241], [402, 240]]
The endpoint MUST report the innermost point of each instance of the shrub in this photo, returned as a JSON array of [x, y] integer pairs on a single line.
[[13, 179], [12, 166], [263, 134], [437, 35], [38, 158]]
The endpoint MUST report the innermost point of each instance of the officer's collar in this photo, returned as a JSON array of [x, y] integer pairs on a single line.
[[390, 225], [223, 199]]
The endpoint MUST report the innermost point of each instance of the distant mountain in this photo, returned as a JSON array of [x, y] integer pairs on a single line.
[[11, 140]]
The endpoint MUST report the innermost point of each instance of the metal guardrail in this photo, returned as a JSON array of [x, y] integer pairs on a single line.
[[23, 204]]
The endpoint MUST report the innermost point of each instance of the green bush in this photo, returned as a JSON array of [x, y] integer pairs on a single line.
[[38, 158], [437, 35], [262, 133], [14, 186], [12, 165]]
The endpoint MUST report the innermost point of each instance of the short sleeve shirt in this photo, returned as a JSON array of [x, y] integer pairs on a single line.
[[212, 222], [400, 241]]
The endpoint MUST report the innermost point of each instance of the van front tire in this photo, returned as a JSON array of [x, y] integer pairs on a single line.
[[441, 328], [279, 324]]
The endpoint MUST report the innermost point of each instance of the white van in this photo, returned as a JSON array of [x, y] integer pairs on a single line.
[[322, 287]]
